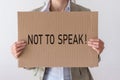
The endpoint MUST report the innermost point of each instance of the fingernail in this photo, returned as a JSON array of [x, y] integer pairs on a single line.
[[89, 45], [90, 39]]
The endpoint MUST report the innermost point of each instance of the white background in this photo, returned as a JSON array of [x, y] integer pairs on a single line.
[[109, 32]]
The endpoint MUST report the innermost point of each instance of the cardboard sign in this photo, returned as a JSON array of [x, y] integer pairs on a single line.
[[57, 39]]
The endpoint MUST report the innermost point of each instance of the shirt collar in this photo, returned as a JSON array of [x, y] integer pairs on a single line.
[[47, 6]]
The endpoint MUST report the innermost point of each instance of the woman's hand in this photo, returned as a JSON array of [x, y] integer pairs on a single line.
[[17, 48], [96, 44]]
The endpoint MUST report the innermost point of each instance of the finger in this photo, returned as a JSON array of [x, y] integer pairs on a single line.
[[20, 45], [97, 43], [15, 50], [93, 42], [20, 42], [18, 54], [20, 48], [99, 50], [89, 44], [96, 49], [94, 39], [94, 45]]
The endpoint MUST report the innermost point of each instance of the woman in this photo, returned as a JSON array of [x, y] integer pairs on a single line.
[[61, 73]]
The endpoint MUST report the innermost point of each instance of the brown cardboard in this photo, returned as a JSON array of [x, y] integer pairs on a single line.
[[78, 27]]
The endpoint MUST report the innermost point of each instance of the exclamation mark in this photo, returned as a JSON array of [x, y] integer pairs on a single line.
[[85, 38]]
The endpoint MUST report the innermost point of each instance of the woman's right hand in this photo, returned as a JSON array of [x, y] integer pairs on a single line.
[[17, 48]]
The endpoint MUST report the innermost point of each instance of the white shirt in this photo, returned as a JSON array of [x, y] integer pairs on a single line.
[[57, 73], [47, 7]]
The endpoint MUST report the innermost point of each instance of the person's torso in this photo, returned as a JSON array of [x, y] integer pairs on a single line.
[[76, 72]]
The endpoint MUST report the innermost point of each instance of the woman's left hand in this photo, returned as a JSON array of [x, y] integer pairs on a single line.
[[96, 44]]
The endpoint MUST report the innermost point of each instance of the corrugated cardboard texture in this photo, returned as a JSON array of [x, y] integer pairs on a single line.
[[57, 39]]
